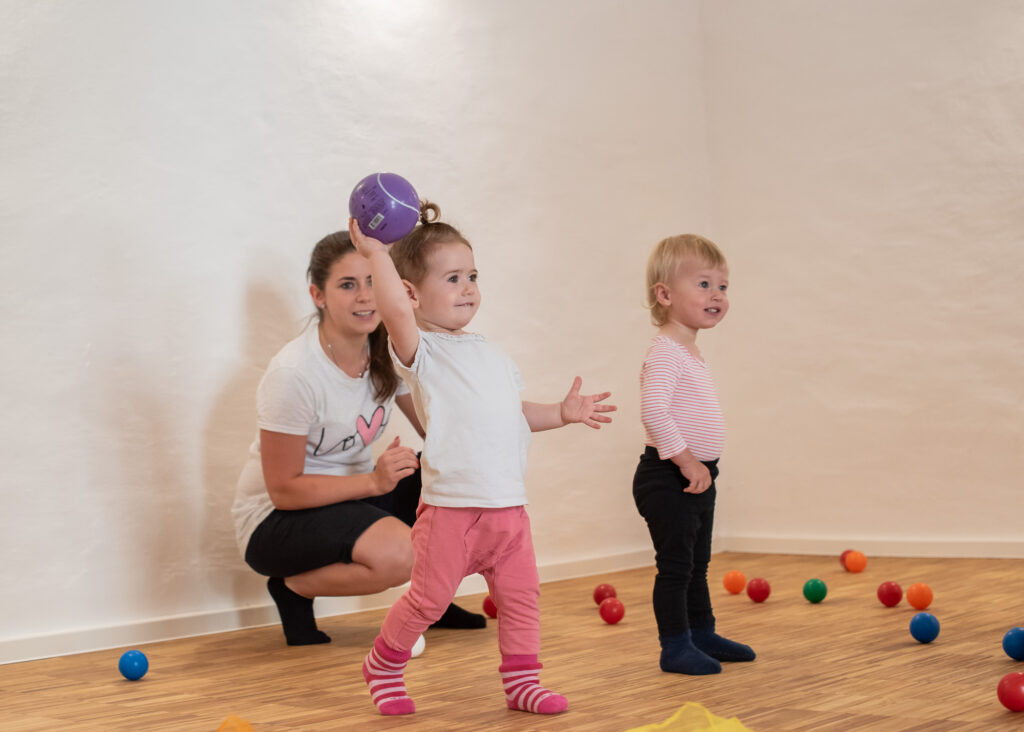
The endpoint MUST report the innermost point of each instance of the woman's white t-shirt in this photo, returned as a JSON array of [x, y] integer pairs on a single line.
[[304, 393]]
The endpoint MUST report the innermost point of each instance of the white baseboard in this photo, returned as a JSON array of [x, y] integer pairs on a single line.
[[596, 565], [181, 626], [878, 546], [85, 640]]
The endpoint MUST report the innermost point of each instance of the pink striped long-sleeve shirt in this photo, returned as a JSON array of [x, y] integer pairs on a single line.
[[678, 403]]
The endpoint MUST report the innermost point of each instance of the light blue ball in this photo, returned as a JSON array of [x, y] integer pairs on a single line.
[[133, 665], [924, 627], [1013, 643]]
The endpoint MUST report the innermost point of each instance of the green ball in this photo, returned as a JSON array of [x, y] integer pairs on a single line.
[[815, 590]]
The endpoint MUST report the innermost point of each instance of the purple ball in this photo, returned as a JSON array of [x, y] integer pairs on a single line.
[[385, 205]]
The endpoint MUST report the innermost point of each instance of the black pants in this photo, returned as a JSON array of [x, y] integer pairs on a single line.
[[680, 525]]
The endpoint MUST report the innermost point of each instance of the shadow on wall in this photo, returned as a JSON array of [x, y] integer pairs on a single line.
[[135, 541], [227, 438]]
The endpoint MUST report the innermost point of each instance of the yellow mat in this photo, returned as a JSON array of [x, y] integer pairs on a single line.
[[692, 717]]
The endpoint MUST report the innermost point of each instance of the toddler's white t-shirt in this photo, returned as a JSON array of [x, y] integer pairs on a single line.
[[467, 397]]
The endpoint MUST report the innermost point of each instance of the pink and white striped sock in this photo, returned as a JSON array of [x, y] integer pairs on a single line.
[[382, 670], [520, 676]]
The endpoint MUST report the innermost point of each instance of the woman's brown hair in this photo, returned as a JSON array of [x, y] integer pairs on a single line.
[[382, 371]]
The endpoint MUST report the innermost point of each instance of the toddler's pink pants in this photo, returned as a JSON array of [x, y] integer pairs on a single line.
[[452, 543]]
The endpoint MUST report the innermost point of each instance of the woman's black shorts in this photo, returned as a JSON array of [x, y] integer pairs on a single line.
[[287, 543]]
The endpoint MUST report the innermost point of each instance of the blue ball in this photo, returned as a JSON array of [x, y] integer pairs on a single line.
[[1013, 643], [133, 665], [924, 627]]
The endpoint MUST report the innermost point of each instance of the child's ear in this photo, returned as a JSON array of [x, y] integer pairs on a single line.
[[410, 290], [661, 294]]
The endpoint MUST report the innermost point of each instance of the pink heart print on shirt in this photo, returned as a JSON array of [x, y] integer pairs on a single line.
[[369, 431]]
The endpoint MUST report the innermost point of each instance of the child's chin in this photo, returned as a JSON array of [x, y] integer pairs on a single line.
[[463, 320]]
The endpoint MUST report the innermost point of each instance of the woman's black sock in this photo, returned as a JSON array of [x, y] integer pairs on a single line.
[[296, 614], [456, 617]]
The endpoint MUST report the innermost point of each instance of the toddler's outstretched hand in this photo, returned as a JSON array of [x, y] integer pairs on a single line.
[[578, 408], [364, 244]]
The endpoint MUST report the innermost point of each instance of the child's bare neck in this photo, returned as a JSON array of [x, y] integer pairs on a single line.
[[429, 327], [682, 335]]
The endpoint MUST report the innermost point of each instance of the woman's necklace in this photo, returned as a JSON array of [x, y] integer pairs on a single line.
[[334, 357]]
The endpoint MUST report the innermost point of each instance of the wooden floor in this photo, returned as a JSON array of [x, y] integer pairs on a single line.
[[846, 664]]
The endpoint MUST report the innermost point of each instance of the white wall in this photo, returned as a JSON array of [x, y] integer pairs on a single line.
[[166, 171], [866, 179]]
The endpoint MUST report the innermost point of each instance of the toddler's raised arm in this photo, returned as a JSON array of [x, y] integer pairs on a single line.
[[391, 294]]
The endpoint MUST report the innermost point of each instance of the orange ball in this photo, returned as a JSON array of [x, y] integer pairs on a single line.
[[856, 561], [734, 582], [919, 595]]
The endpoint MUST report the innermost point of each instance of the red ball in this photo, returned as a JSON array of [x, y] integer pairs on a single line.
[[603, 591], [612, 610], [490, 608], [842, 557], [890, 594], [758, 589], [1011, 691]]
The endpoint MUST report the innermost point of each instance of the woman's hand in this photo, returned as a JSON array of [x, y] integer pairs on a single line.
[[365, 245], [395, 463]]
